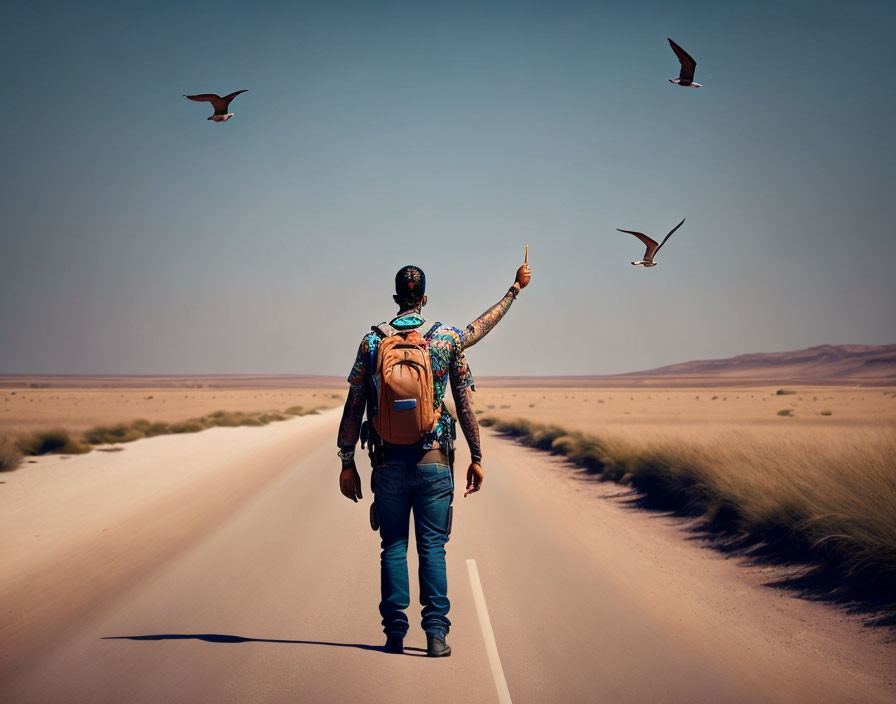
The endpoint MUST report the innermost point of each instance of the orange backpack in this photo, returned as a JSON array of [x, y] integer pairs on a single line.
[[403, 384]]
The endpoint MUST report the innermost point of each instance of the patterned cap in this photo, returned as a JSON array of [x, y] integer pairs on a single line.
[[410, 284]]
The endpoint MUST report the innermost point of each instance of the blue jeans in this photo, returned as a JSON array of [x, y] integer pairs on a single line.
[[402, 483]]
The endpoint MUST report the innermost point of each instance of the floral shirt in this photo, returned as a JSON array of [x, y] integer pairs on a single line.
[[448, 363]]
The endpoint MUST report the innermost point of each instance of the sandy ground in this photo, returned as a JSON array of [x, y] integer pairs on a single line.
[[79, 403], [649, 410], [76, 409], [225, 566]]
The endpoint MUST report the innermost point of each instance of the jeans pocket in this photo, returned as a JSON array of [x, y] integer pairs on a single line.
[[386, 479], [435, 477]]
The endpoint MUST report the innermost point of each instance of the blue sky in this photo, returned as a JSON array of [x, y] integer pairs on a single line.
[[137, 237]]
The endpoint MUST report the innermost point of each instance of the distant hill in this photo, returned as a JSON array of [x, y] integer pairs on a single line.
[[830, 363]]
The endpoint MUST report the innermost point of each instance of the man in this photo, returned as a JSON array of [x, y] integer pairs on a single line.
[[417, 476]]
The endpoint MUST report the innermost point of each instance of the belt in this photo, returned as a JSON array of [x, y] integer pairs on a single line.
[[433, 456], [436, 454]]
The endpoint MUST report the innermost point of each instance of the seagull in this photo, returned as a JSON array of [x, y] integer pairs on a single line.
[[218, 103], [686, 75], [652, 246]]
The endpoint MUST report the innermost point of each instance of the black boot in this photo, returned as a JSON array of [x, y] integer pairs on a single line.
[[436, 647], [394, 644]]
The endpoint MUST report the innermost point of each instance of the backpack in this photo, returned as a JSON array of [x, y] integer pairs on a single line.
[[403, 386]]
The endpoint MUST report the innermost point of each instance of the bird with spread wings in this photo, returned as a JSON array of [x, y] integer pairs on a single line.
[[651, 244], [686, 74], [218, 103]]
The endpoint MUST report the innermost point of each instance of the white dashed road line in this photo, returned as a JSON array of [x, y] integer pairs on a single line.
[[488, 634]]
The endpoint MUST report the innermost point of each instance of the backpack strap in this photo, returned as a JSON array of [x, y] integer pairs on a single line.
[[384, 330], [431, 331]]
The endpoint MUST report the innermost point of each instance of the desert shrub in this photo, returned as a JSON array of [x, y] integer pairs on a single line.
[[61, 442], [786, 412], [108, 434], [56, 441], [225, 419], [519, 427], [589, 452], [10, 454], [826, 413], [266, 418], [563, 445], [187, 426], [831, 499], [543, 437], [583, 450], [784, 392], [148, 428]]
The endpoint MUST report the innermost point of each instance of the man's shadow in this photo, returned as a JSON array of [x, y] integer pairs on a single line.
[[222, 638]]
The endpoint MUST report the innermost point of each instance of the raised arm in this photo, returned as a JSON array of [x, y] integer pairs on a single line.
[[481, 327]]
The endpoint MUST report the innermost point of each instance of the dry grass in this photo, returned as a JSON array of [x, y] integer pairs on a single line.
[[835, 493], [55, 441], [818, 472], [60, 441], [63, 416], [10, 454]]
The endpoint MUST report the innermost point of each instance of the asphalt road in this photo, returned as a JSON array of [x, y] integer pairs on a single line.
[[275, 600]]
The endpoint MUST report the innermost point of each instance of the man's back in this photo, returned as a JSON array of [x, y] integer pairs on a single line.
[[445, 353]]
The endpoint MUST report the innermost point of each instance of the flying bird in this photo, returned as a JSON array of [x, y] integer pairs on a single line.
[[686, 75], [218, 103], [652, 246]]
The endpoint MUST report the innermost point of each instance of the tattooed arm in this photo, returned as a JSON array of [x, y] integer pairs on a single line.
[[349, 431], [350, 427], [481, 327], [467, 420], [352, 415]]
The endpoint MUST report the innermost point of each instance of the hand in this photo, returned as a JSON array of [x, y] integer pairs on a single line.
[[475, 476], [523, 276], [350, 483]]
